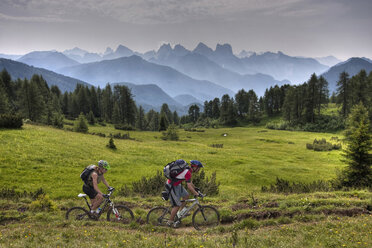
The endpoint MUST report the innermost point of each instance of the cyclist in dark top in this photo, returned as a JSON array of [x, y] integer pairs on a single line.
[[91, 186], [177, 192]]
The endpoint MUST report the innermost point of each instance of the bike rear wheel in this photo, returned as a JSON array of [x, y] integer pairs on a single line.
[[77, 213], [123, 214], [205, 217], [158, 216]]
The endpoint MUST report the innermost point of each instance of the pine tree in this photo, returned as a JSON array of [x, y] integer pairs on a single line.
[[194, 113], [164, 123], [140, 122], [165, 110], [90, 118], [4, 107], [358, 152], [81, 124], [344, 93], [176, 119]]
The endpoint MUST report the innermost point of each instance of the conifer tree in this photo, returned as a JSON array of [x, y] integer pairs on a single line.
[[344, 93], [164, 123], [81, 124], [194, 113], [140, 122], [358, 152]]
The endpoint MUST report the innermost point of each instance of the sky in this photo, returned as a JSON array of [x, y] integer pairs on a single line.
[[310, 28]]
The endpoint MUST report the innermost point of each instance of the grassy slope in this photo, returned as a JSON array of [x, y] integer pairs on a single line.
[[44, 157], [38, 156]]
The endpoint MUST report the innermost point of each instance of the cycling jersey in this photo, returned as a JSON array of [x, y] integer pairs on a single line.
[[184, 175]]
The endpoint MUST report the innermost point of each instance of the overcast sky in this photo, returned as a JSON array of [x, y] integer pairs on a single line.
[[311, 28]]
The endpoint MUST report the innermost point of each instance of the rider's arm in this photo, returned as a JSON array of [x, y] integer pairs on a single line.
[[191, 187], [105, 182], [95, 185]]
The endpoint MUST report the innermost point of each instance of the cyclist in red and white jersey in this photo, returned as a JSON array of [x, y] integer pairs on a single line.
[[177, 191]]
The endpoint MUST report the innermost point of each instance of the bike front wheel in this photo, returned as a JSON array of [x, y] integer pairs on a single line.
[[77, 213], [158, 216], [205, 217], [121, 214]]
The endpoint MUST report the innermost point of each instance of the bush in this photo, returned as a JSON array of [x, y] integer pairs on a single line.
[[207, 185], [43, 203], [284, 186], [153, 185], [111, 144], [81, 124], [171, 133], [10, 121], [323, 145], [125, 127], [57, 120]]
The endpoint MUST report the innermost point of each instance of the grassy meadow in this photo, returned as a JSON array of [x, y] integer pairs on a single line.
[[251, 157]]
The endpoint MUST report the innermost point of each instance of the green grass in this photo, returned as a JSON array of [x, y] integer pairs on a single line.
[[38, 156], [42, 157]]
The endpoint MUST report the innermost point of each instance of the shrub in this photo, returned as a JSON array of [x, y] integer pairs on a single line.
[[216, 145], [57, 120], [111, 144], [284, 186], [10, 121], [153, 185], [43, 203], [125, 127], [323, 145], [81, 124], [207, 185], [171, 133]]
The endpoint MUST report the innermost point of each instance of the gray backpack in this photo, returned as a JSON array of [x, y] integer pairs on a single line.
[[174, 168]]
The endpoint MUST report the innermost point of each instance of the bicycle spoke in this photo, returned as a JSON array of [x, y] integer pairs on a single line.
[[205, 217], [158, 216]]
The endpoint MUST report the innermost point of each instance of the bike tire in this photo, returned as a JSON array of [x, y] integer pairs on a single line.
[[158, 216], [205, 217], [126, 215], [77, 213]]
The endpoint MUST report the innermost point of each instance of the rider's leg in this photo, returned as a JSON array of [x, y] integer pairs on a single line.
[[173, 213], [96, 201]]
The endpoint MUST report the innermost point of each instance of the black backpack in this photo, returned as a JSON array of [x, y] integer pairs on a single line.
[[86, 173], [174, 168]]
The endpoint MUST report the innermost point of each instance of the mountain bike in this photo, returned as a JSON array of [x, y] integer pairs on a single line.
[[203, 217], [115, 213]]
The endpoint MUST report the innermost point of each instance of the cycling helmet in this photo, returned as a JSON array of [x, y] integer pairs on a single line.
[[103, 164], [196, 163]]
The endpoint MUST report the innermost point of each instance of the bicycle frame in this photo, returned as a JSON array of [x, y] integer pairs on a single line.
[[188, 209], [107, 201]]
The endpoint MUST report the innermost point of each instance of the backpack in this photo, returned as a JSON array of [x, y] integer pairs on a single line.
[[174, 168], [86, 173]]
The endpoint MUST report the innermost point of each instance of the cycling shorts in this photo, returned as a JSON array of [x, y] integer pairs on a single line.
[[90, 191]]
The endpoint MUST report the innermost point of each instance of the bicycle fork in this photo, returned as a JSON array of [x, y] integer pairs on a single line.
[[115, 211]]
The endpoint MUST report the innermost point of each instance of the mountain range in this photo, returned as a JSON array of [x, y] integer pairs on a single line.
[[20, 70], [136, 70], [177, 74], [352, 66]]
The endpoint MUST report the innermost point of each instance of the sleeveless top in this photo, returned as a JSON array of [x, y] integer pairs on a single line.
[[90, 179]]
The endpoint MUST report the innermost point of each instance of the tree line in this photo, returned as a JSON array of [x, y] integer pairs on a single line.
[[299, 105]]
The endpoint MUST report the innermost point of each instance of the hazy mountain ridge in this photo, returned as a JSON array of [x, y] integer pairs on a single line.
[[150, 96], [136, 70], [50, 60], [352, 66], [22, 71], [200, 67]]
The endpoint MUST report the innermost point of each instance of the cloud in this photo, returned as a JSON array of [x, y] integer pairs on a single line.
[[41, 19]]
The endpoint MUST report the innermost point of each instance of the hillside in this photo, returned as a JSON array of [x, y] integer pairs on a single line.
[[20, 70], [42, 159], [352, 66]]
